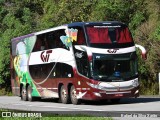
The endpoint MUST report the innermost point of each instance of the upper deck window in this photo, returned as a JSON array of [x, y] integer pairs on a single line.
[[80, 36], [108, 35]]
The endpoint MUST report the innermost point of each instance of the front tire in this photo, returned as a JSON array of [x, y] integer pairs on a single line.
[[64, 95], [29, 93], [24, 93], [73, 95]]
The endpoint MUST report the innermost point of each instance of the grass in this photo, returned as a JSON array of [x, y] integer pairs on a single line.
[[60, 118], [147, 88], [50, 116], [5, 91]]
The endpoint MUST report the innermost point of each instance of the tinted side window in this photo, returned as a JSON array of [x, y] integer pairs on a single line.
[[49, 40], [51, 70], [82, 62], [41, 43], [80, 37], [40, 71], [62, 70], [53, 39], [81, 56]]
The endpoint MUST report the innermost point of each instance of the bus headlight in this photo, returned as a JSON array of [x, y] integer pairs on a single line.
[[135, 83], [95, 86], [92, 85], [97, 94]]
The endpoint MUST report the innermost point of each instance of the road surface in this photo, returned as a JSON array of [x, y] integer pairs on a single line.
[[144, 107]]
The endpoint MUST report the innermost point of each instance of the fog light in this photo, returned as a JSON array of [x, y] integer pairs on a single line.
[[79, 83], [97, 94], [137, 91]]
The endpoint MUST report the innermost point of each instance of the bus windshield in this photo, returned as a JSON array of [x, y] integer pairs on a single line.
[[113, 68], [109, 36]]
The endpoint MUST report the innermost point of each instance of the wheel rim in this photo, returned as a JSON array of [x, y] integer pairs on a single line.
[[29, 94], [64, 94], [23, 94], [73, 95]]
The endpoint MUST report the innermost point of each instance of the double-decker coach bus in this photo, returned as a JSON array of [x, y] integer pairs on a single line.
[[76, 61]]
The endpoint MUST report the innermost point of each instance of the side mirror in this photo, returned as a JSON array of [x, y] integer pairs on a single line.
[[143, 51]]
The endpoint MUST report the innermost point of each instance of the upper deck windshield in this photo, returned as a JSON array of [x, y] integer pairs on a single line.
[[109, 36]]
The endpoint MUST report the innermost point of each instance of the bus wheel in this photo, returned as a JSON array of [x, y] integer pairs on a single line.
[[24, 94], [29, 93], [73, 95], [115, 101], [64, 96]]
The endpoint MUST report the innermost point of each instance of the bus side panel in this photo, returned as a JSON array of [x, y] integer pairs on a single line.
[[21, 49], [14, 81], [15, 85]]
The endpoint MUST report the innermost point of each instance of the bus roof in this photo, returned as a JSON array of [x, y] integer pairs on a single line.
[[22, 37], [96, 23], [69, 25], [40, 32]]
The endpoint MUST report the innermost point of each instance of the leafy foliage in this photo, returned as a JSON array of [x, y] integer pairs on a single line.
[[143, 17]]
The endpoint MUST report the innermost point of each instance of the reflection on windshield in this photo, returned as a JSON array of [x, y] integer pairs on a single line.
[[114, 69]]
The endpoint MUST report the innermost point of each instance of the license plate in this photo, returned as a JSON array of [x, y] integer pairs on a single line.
[[118, 95]]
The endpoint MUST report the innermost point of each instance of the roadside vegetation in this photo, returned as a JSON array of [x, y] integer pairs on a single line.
[[60, 118], [51, 116], [142, 16]]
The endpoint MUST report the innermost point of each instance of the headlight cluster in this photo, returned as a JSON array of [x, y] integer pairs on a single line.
[[130, 85], [95, 86], [135, 83]]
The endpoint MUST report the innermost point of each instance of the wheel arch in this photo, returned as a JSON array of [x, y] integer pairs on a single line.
[[27, 85], [59, 88], [69, 87], [20, 94]]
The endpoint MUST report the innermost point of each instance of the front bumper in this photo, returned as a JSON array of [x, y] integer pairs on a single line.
[[104, 95]]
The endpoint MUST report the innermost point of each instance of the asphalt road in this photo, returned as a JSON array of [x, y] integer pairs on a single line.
[[144, 107]]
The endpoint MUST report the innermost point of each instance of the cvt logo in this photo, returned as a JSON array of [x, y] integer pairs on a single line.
[[79, 55], [45, 55], [112, 50]]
